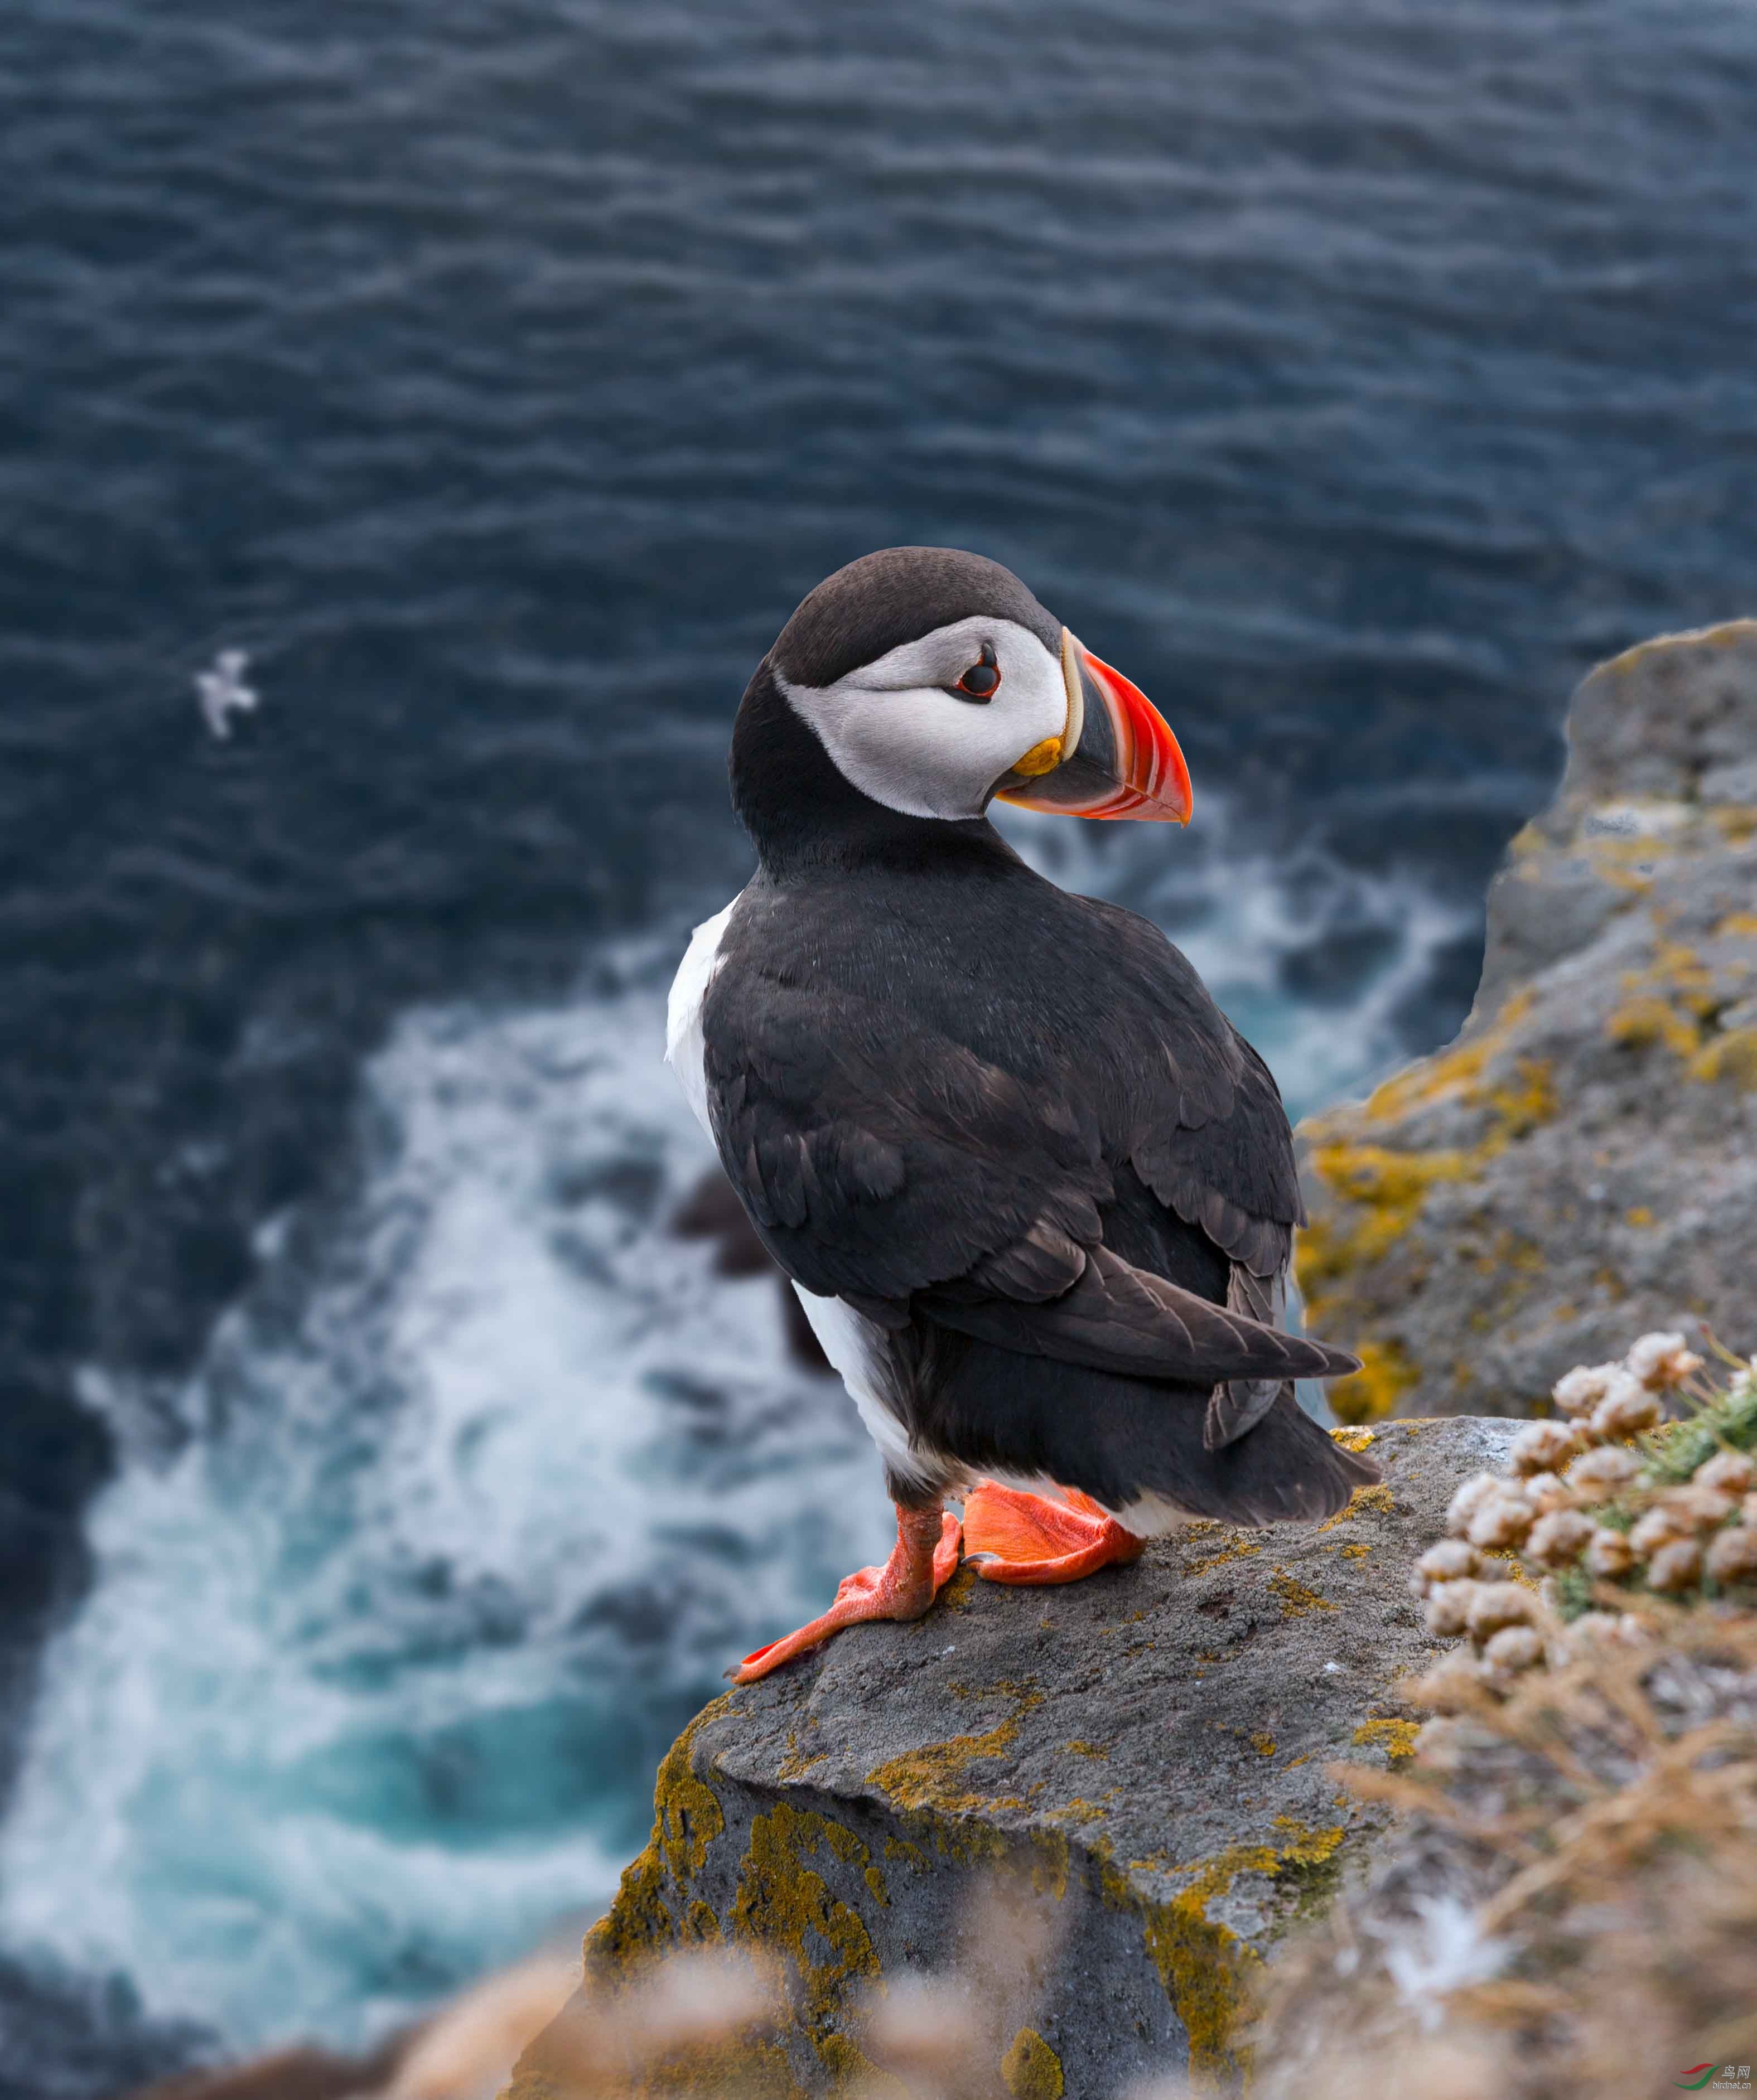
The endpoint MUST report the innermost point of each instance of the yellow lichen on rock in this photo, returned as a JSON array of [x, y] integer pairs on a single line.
[[1203, 1966], [1397, 1739], [1479, 1205], [780, 1899], [1236, 1547], [1376, 1500], [1307, 1845], [1453, 1075], [1667, 1003], [796, 1763], [1297, 1600], [1389, 1187], [687, 1818], [924, 1778], [1380, 1190], [1732, 1055], [1527, 1098], [1031, 2070], [1646, 1018]]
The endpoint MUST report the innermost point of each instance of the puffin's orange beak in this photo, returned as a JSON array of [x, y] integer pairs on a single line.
[[1116, 757]]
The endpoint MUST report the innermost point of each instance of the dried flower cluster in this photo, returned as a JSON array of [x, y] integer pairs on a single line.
[[1569, 1910], [1644, 1480]]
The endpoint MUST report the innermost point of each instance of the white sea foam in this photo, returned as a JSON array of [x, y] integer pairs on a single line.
[[504, 1470]]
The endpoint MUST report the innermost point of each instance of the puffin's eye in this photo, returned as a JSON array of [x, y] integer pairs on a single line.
[[982, 682]]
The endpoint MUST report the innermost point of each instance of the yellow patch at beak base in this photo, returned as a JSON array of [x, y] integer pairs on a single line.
[[1042, 757]]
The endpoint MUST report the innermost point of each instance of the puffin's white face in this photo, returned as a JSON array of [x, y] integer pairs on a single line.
[[930, 727]]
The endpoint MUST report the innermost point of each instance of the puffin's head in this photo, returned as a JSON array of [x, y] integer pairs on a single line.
[[934, 681]]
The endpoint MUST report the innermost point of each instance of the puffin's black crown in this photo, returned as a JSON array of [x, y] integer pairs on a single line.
[[894, 596]]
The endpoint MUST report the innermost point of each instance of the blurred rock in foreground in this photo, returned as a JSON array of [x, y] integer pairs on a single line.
[[462, 2052], [1581, 1165], [1145, 1752]]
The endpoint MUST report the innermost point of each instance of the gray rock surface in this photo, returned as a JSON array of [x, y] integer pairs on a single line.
[[1147, 1752], [1581, 1165]]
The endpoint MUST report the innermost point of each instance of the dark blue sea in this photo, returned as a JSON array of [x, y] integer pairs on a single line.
[[381, 1480]]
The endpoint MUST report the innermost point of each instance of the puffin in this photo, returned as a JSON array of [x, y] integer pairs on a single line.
[[1036, 1194]]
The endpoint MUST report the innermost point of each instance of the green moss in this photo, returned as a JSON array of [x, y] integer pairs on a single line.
[[1675, 1450]]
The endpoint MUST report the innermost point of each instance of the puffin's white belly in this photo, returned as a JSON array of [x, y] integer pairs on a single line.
[[685, 1052], [859, 1349]]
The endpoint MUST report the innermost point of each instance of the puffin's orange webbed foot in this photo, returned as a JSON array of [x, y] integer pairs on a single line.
[[921, 1563], [1019, 1538]]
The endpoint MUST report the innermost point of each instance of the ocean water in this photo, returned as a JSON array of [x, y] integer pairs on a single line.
[[380, 1479]]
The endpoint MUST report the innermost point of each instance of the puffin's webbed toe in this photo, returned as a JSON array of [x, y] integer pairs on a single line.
[[1024, 1538], [921, 1563]]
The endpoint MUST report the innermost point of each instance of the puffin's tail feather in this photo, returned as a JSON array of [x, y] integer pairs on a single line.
[[1125, 1441], [1118, 1317]]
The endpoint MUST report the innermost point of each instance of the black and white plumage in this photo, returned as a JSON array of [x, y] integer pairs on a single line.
[[1036, 1193]]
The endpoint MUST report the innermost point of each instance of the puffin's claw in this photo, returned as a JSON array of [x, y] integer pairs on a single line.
[[1012, 1536], [921, 1563]]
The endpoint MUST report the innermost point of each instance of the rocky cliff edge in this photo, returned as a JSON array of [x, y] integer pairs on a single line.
[[1581, 1167], [1146, 1755]]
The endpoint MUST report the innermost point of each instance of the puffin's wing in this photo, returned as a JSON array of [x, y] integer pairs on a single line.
[[1225, 1166], [882, 1157], [885, 1163]]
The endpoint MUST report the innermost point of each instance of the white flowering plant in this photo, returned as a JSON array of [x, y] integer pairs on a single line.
[[1644, 1482]]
